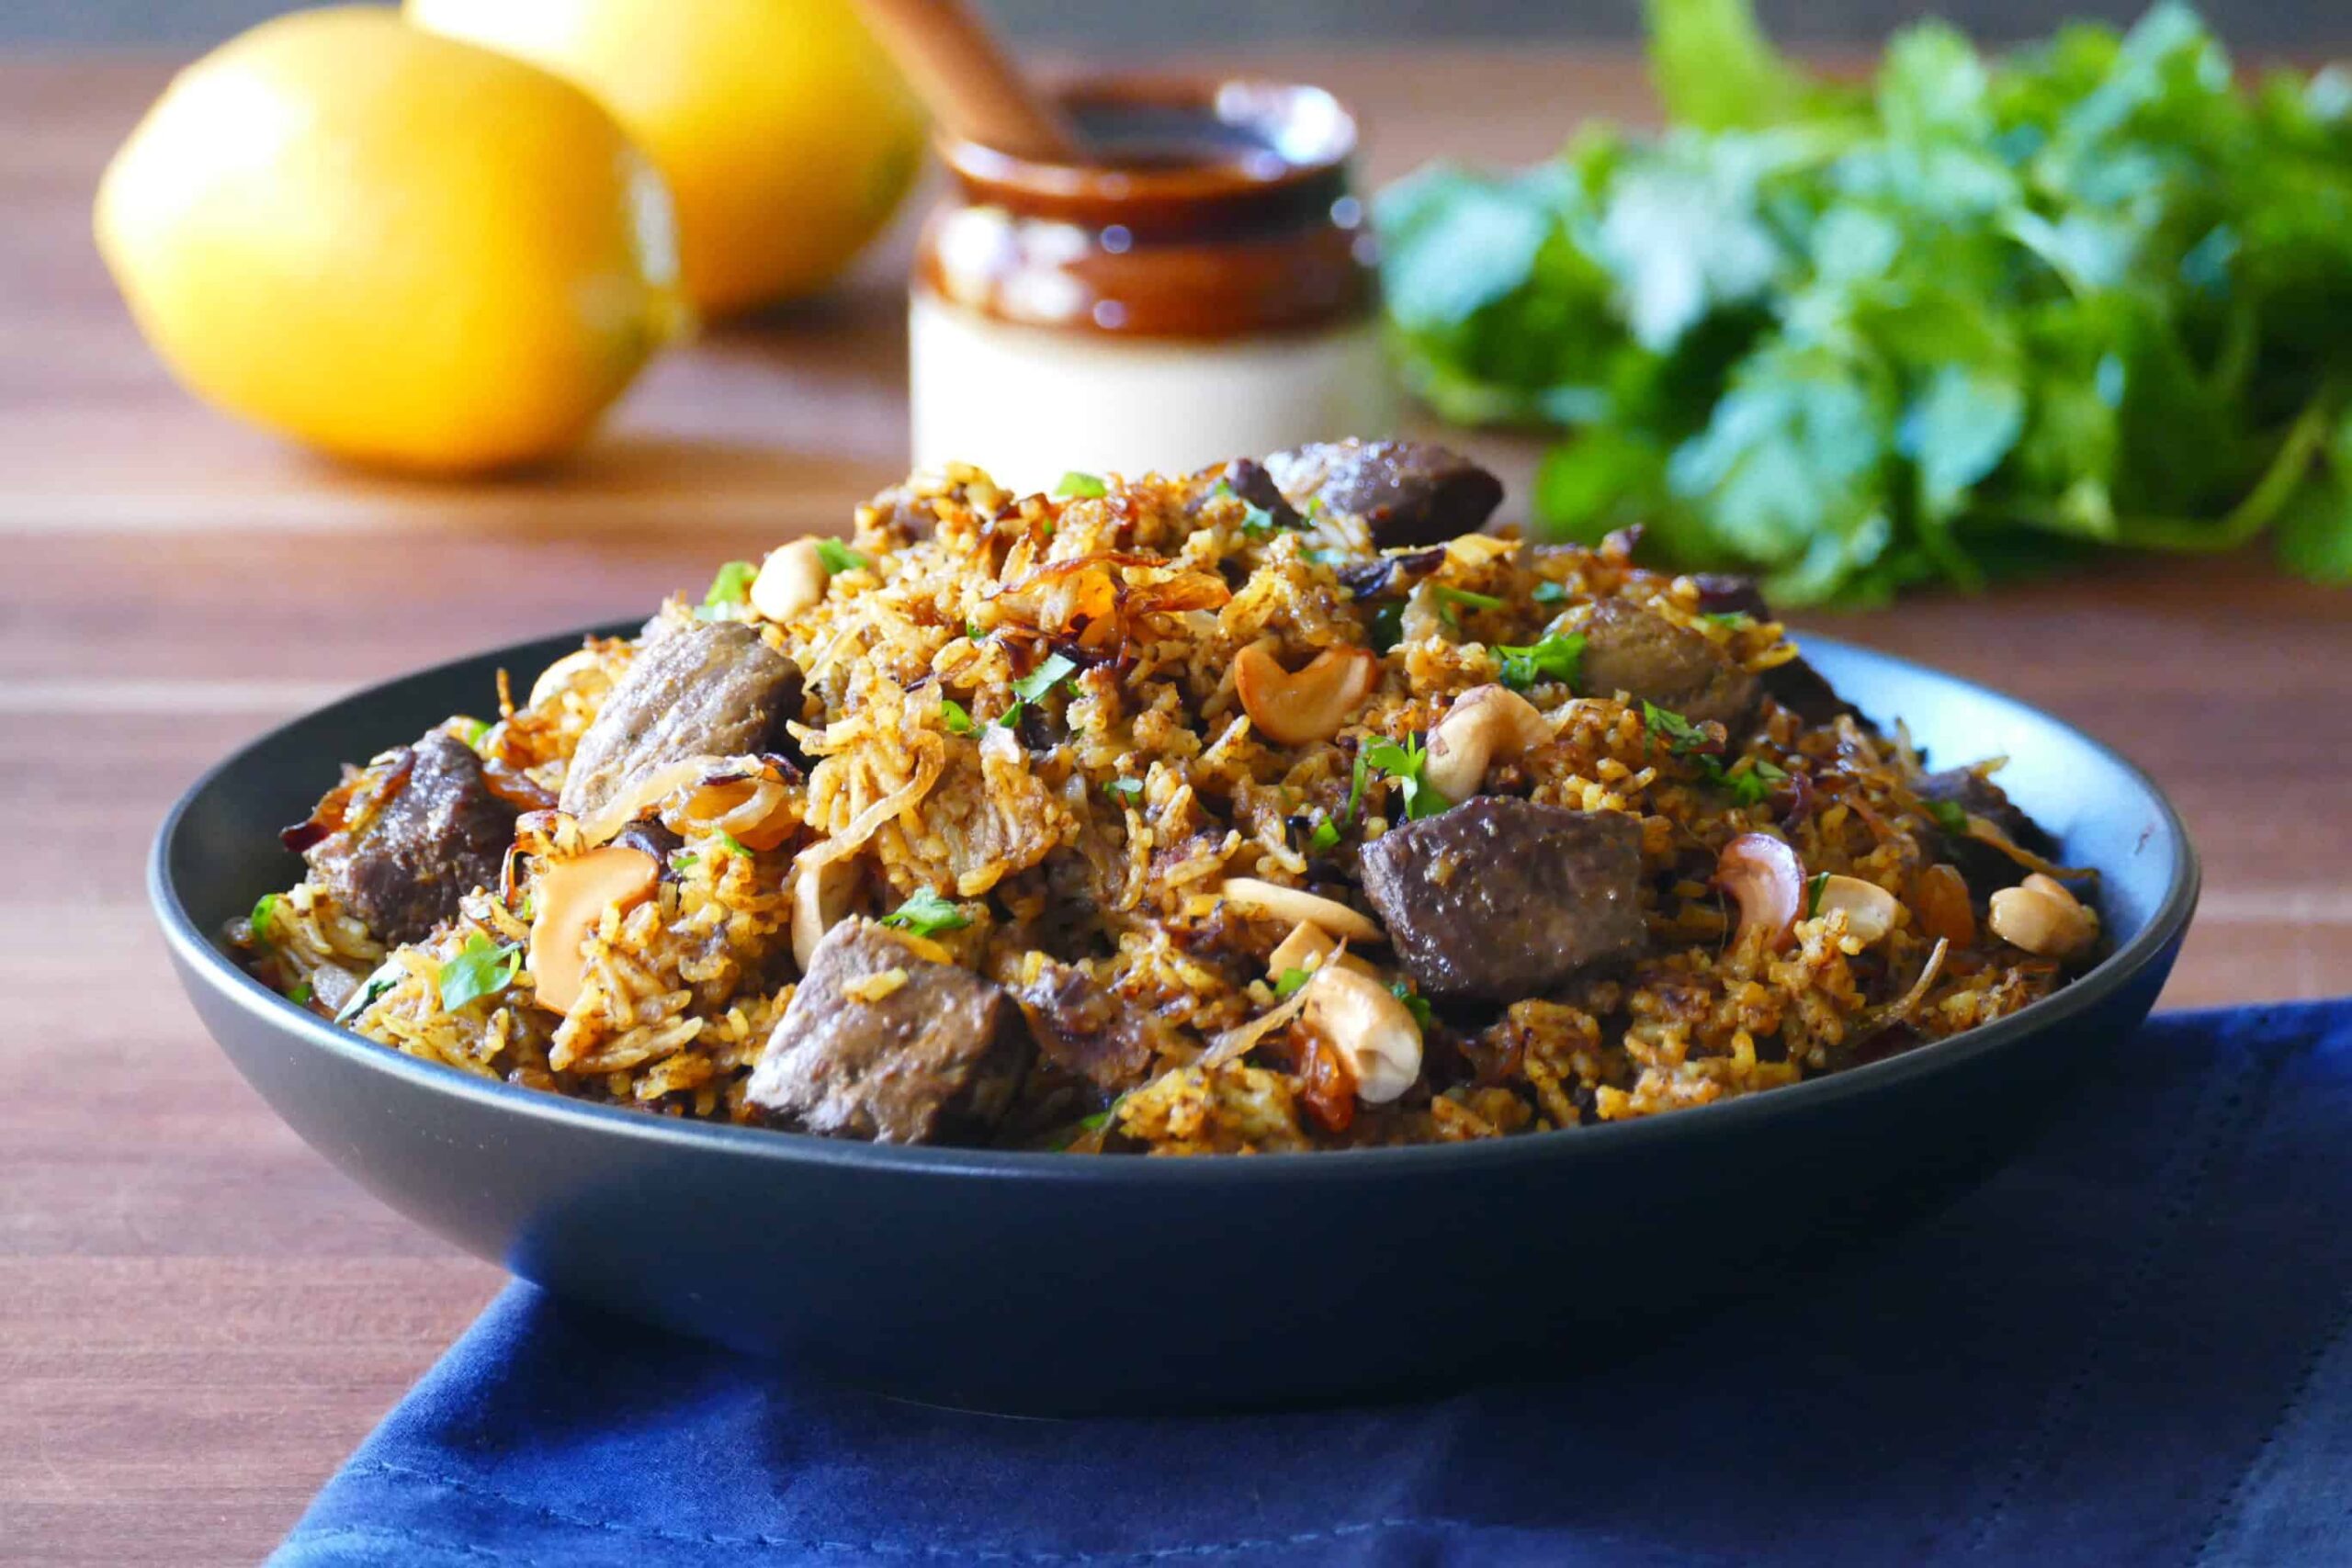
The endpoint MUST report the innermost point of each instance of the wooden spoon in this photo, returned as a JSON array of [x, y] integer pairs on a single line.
[[967, 81]]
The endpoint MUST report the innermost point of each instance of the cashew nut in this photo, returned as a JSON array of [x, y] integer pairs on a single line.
[[563, 673], [1765, 878], [1372, 1030], [1309, 947], [791, 580], [1295, 707], [1276, 902], [573, 895], [1870, 909], [1486, 724], [819, 898], [2042, 917]]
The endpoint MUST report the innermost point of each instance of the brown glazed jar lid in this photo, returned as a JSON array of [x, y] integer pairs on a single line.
[[1212, 209]]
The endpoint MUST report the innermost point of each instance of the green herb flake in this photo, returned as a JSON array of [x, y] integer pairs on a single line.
[[1415, 1003], [731, 586], [481, 968], [684, 860], [1325, 836], [1950, 816], [955, 716], [263, 909], [928, 914], [1044, 679], [735, 845], [1549, 593], [1813, 891], [839, 557], [476, 732], [301, 995], [1732, 619], [386, 975], [1387, 627], [1404, 763], [1557, 658], [1291, 983], [1749, 785], [1130, 789], [1076, 485], [1452, 596], [1678, 732]]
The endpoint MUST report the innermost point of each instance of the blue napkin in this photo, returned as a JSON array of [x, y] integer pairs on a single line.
[[2131, 1347]]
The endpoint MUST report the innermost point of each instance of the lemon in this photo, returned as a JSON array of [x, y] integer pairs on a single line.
[[391, 245], [786, 135]]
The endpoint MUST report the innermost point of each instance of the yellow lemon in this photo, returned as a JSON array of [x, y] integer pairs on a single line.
[[391, 245], [786, 135]]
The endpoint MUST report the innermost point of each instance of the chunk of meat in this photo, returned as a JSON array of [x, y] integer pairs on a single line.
[[882, 1044], [440, 835], [715, 689], [1628, 649], [1407, 492], [1502, 898], [1795, 685], [1246, 478], [1083, 1028], [1985, 867]]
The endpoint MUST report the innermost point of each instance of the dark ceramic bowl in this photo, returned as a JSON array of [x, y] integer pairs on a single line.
[[1047, 1282]]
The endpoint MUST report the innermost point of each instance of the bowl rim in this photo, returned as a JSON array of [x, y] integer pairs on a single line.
[[203, 963]]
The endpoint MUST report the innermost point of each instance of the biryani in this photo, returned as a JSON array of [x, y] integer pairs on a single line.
[[1280, 806]]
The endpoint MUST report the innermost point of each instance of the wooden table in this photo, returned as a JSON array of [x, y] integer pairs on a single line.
[[199, 1318]]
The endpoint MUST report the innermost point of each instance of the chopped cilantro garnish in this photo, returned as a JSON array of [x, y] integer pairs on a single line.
[[1292, 979], [1403, 762], [1671, 727], [1549, 593], [481, 968], [1131, 788], [1750, 785], [476, 732], [1416, 1004], [1813, 889], [1553, 658], [1044, 678], [1326, 835], [264, 907], [1387, 627], [301, 995], [839, 557], [1726, 617], [1355, 784], [1077, 484], [1452, 596], [957, 718], [387, 975], [731, 586], [927, 914], [1950, 816], [735, 845], [684, 860]]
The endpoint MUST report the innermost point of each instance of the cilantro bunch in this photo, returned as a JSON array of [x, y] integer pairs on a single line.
[[1976, 317]]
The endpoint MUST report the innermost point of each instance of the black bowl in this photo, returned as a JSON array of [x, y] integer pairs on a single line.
[[1057, 1284]]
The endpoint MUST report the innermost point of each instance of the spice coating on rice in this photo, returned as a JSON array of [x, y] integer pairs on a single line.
[[1117, 772]]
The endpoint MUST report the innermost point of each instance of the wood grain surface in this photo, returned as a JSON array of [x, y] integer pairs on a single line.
[[199, 1318]]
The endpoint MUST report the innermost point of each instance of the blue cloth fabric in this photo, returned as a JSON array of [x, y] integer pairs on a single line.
[[2131, 1347]]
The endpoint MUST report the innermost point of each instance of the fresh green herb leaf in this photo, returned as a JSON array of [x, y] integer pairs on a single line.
[[1733, 619], [1452, 596], [684, 860], [1045, 678], [1749, 785], [1555, 658], [1415, 1003], [481, 968], [1357, 777], [301, 995], [1404, 763], [1678, 732], [386, 975], [839, 557], [1257, 521], [1950, 816], [1387, 627], [1325, 836], [928, 914], [476, 732], [1131, 789], [1813, 891], [265, 908], [734, 845], [1292, 980], [1087, 485], [731, 586], [957, 718], [1548, 593]]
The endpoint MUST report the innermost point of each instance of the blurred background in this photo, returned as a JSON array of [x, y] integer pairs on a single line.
[[2261, 24]]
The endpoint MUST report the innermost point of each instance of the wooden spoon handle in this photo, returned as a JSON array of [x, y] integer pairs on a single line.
[[968, 82]]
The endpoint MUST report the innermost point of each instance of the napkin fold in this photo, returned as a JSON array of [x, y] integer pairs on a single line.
[[2131, 1346]]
